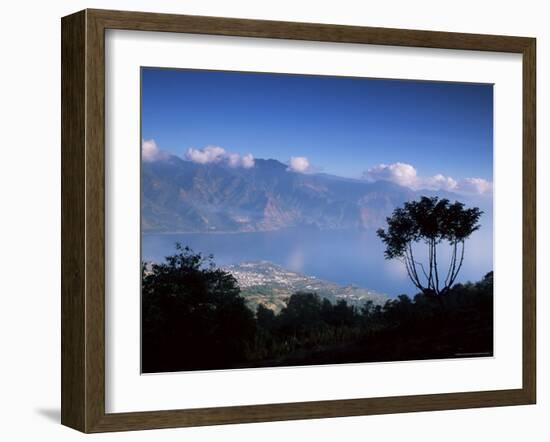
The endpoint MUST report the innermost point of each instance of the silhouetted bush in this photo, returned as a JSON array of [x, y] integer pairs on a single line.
[[194, 317]]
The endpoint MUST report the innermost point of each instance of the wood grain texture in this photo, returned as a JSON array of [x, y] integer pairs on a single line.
[[529, 221], [83, 220], [144, 21], [95, 222], [73, 129], [308, 410]]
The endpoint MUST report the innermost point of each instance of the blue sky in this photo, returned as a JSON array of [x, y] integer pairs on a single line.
[[343, 126]]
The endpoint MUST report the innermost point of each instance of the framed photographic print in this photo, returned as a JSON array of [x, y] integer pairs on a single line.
[[270, 220]]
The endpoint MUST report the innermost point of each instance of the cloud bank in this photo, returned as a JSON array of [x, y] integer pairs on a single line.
[[150, 151], [210, 154], [406, 175], [299, 164], [476, 186], [217, 154]]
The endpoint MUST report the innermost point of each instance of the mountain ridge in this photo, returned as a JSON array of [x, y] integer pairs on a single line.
[[183, 196]]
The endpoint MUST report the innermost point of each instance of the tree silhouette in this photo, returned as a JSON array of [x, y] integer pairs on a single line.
[[193, 315], [431, 221], [301, 314], [195, 318]]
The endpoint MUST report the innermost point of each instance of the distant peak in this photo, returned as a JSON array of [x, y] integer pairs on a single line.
[[270, 163]]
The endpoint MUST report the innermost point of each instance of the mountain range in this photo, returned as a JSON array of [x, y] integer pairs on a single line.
[[183, 196]]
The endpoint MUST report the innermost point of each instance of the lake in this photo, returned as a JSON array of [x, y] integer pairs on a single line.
[[342, 256]]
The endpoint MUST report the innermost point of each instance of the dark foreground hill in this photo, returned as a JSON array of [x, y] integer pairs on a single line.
[[194, 317]]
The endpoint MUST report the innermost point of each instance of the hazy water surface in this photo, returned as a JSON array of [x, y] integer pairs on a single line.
[[342, 256]]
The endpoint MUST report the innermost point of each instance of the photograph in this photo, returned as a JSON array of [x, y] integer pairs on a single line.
[[305, 220]]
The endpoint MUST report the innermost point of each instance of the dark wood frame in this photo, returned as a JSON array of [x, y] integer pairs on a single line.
[[83, 216]]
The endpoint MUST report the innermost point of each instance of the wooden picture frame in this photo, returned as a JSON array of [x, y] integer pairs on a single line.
[[83, 220]]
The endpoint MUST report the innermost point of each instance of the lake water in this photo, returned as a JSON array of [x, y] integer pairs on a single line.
[[342, 256]]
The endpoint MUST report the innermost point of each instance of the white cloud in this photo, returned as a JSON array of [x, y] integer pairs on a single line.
[[150, 151], [234, 159], [248, 161], [399, 173], [406, 175], [210, 154], [299, 164], [216, 154], [477, 186], [438, 182]]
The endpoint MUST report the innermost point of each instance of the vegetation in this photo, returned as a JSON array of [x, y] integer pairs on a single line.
[[194, 318], [432, 221]]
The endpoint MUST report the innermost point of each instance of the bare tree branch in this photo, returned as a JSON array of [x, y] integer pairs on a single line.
[[411, 277], [459, 265], [413, 266], [451, 264], [435, 266]]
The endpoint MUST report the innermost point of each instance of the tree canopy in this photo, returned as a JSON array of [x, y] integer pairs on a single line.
[[193, 315], [194, 318], [432, 221]]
